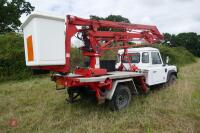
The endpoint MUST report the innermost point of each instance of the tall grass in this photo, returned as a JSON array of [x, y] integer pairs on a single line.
[[38, 107]]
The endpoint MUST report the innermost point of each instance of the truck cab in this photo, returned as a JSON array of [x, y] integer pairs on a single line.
[[150, 62]]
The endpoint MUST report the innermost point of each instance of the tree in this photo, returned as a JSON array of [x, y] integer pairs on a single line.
[[115, 18], [94, 17], [170, 39], [190, 41], [167, 36], [173, 40], [11, 11]]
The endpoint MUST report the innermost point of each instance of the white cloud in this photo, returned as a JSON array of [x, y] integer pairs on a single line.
[[171, 16], [147, 20]]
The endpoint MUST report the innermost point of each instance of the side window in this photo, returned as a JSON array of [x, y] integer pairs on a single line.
[[135, 58], [131, 57], [118, 58], [145, 57], [155, 58]]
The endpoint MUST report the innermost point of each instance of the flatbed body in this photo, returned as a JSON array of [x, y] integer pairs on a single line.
[[110, 75]]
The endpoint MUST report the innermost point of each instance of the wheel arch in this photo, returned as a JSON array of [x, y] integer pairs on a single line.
[[171, 72], [129, 82]]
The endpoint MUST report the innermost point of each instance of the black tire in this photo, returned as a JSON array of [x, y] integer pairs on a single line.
[[171, 80], [121, 98]]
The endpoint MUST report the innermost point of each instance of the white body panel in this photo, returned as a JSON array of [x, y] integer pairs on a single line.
[[48, 39], [154, 73]]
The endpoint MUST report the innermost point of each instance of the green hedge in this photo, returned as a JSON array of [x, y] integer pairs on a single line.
[[12, 61], [177, 55]]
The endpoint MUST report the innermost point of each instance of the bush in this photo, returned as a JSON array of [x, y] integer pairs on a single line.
[[12, 60], [177, 55], [76, 58]]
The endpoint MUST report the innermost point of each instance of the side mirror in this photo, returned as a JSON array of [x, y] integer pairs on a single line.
[[167, 60]]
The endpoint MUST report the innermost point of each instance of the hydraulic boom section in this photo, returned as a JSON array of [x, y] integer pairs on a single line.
[[99, 35]]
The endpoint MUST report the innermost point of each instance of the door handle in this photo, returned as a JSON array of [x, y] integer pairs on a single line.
[[154, 71]]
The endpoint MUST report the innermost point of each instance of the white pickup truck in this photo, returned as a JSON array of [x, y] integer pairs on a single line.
[[149, 60]]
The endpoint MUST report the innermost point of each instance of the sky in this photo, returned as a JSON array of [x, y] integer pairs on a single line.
[[172, 16]]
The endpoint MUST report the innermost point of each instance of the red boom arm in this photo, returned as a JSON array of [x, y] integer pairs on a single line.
[[99, 35]]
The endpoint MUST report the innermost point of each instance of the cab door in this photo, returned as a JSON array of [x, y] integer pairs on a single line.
[[158, 70]]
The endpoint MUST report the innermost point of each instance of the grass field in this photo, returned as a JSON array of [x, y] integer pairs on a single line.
[[38, 107]]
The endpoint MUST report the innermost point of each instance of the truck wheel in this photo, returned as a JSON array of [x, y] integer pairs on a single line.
[[171, 80], [121, 98]]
